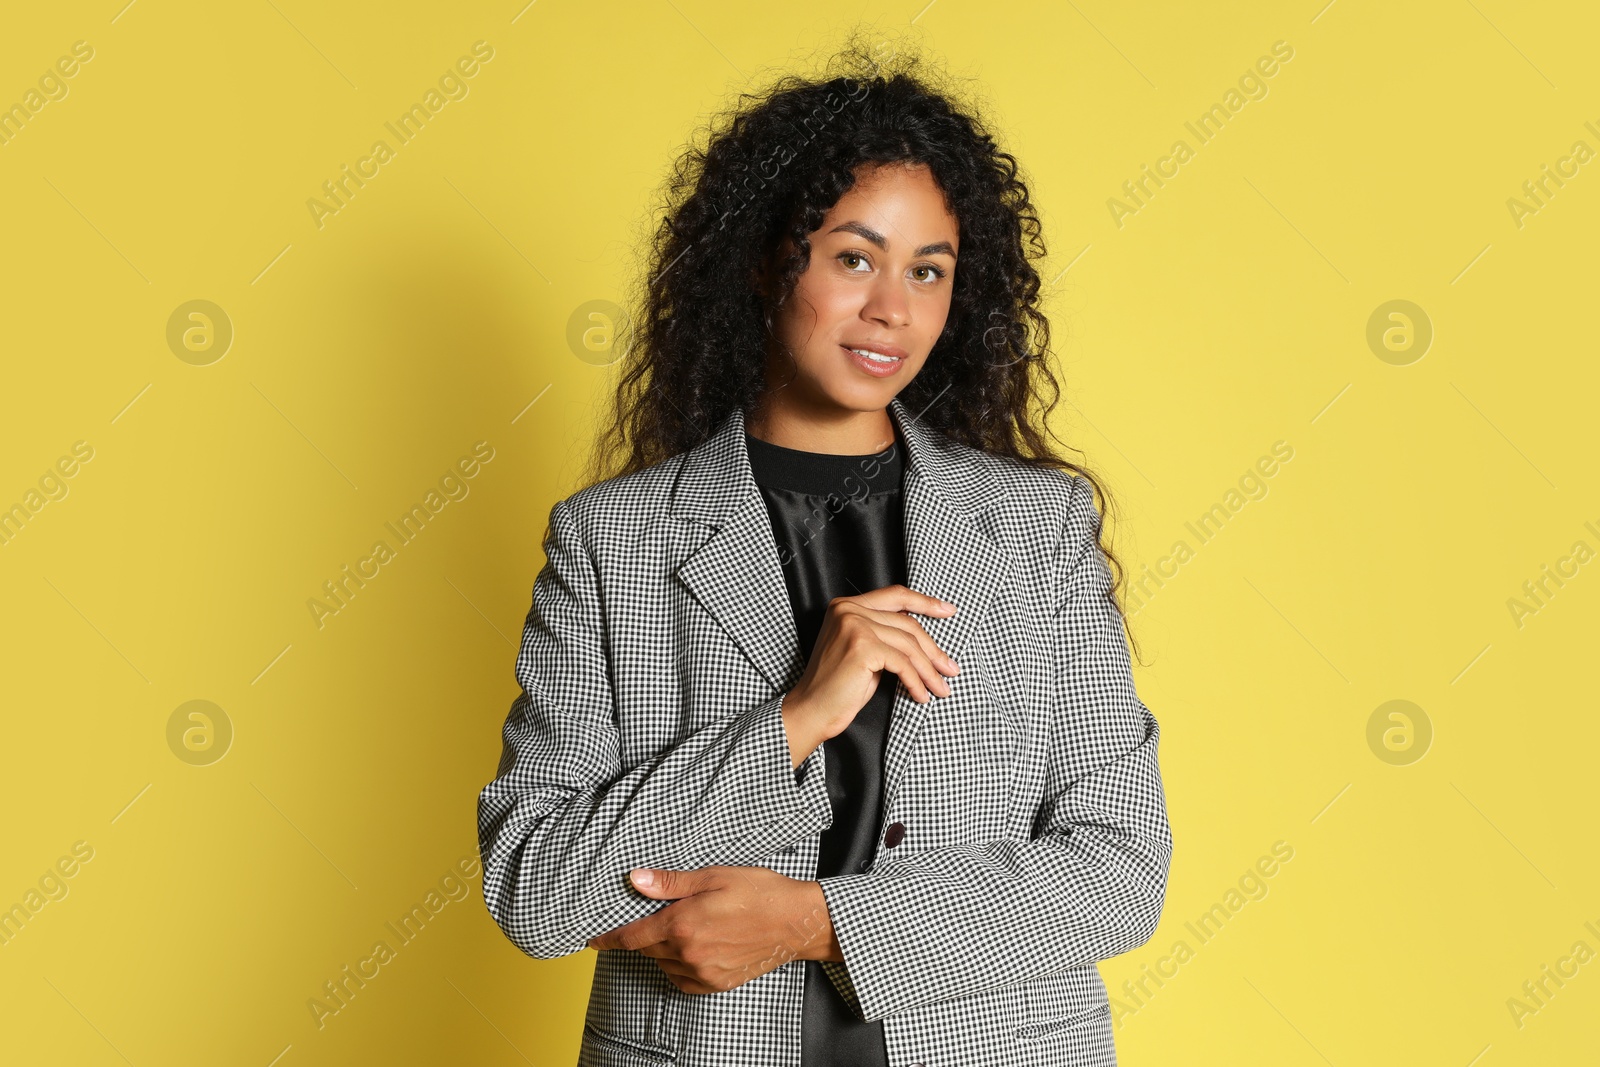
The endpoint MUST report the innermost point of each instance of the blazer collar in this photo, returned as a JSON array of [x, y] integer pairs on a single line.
[[716, 480], [950, 554]]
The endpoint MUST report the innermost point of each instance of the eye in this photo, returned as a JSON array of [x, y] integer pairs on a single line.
[[850, 257]]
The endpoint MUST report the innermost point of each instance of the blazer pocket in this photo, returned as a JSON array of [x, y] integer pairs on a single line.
[[601, 1049], [1040, 1028]]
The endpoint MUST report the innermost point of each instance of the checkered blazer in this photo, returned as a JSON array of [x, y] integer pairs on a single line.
[[1030, 830]]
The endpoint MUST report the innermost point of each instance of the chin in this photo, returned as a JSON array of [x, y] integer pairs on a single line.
[[863, 396]]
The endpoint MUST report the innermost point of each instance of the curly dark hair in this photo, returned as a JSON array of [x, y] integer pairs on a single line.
[[713, 274]]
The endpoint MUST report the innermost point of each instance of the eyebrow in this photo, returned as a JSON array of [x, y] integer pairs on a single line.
[[868, 233]]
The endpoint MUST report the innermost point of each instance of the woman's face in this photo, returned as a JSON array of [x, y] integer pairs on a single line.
[[880, 276]]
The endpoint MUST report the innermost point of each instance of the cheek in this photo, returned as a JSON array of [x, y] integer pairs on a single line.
[[837, 303], [934, 318], [814, 320], [796, 321]]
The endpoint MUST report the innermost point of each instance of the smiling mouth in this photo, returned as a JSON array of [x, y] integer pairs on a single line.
[[867, 353]]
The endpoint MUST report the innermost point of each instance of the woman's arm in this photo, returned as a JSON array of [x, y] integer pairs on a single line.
[[561, 825], [1090, 885]]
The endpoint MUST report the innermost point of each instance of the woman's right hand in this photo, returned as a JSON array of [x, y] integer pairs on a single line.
[[861, 637]]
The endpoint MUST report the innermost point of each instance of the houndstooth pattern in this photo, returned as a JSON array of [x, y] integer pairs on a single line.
[[648, 733]]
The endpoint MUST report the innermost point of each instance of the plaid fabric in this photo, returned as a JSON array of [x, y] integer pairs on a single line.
[[648, 733]]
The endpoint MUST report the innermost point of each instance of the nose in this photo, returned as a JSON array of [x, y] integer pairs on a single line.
[[887, 302]]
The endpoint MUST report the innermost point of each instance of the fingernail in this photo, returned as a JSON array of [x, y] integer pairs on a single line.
[[644, 878]]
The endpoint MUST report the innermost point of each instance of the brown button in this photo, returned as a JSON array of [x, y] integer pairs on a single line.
[[894, 835]]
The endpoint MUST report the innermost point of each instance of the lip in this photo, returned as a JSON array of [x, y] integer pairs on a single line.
[[877, 370], [880, 347]]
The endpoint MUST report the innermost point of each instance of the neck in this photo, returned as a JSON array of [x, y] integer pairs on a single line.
[[834, 431]]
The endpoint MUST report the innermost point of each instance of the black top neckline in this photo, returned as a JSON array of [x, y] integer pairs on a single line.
[[823, 473]]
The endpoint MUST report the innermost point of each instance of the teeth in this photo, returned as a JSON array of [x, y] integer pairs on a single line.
[[874, 356]]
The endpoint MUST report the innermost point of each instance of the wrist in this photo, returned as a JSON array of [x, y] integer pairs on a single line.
[[796, 727], [810, 926]]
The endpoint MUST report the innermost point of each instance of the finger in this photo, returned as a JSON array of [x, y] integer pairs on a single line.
[[611, 938], [856, 641], [917, 661], [637, 935], [664, 885], [661, 951], [690, 984], [908, 625], [897, 662], [902, 598]]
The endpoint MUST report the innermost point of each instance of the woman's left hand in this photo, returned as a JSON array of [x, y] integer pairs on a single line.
[[726, 925]]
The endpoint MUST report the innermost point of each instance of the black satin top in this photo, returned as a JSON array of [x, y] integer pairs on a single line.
[[839, 527]]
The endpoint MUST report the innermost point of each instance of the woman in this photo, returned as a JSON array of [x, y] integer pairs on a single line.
[[827, 738]]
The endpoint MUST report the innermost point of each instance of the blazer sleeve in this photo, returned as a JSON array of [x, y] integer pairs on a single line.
[[1091, 882], [564, 822]]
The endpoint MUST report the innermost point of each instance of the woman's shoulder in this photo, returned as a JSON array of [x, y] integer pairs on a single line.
[[1028, 487], [621, 500], [1038, 513]]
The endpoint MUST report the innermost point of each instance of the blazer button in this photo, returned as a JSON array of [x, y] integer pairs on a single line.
[[894, 835]]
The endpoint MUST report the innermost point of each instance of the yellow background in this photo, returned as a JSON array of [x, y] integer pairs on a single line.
[[1230, 312]]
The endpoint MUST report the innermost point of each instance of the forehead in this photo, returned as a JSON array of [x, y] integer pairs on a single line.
[[903, 202]]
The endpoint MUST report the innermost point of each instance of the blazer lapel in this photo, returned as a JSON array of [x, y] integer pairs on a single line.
[[736, 574], [948, 555]]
